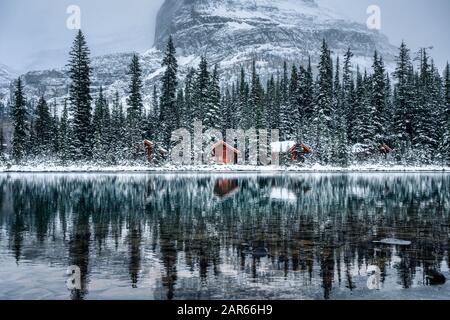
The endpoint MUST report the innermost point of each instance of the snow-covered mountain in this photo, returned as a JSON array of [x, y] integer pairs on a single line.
[[6, 76], [272, 31], [231, 33]]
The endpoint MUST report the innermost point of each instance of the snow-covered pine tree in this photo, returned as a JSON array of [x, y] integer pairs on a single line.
[[272, 104], [242, 110], [100, 123], [19, 118], [292, 123], [169, 84], [285, 121], [55, 131], [2, 144], [368, 113], [378, 100], [425, 137], [227, 107], [403, 107], [436, 103], [340, 150], [118, 129], [135, 106], [389, 113], [151, 126], [256, 101], [363, 129], [445, 141], [189, 107], [181, 106], [201, 91], [80, 96], [43, 129], [65, 136], [324, 105], [307, 101], [348, 88], [213, 117]]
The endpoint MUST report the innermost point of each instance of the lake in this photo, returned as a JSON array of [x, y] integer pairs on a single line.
[[225, 236]]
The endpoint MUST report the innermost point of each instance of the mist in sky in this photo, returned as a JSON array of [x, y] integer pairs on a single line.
[[33, 34]]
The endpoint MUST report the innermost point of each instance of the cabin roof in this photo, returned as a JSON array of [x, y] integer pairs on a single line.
[[226, 145], [148, 143]]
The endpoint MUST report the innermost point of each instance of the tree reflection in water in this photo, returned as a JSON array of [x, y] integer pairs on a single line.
[[228, 236]]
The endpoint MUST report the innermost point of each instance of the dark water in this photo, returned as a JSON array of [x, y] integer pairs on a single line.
[[299, 236]]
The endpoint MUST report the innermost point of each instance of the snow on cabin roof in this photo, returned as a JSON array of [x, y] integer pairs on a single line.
[[148, 143], [360, 148], [282, 146]]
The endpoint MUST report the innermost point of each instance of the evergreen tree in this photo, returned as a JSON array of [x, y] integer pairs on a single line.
[[80, 96], [212, 115], [272, 104], [285, 120], [256, 101], [227, 111], [348, 95], [100, 122], [55, 131], [2, 144], [118, 129], [445, 141], [324, 105], [152, 122], [403, 108], [135, 104], [168, 108], [242, 113], [189, 108], [19, 117], [294, 106], [308, 93], [201, 91], [43, 129], [340, 149], [65, 136], [425, 137], [378, 100]]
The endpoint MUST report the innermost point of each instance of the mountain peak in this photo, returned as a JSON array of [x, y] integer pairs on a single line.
[[236, 31]]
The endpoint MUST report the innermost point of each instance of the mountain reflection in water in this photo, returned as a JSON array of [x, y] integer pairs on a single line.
[[292, 236]]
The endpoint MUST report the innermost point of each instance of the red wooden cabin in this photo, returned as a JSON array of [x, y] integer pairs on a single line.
[[223, 153], [299, 150], [149, 149]]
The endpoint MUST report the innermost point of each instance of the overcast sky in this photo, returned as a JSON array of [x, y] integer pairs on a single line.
[[33, 33]]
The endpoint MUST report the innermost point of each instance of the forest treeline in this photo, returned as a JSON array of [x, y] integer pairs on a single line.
[[344, 113]]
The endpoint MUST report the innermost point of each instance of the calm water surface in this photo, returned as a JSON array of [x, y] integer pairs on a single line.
[[247, 236]]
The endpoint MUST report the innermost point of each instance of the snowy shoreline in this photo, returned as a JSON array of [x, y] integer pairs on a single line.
[[219, 169]]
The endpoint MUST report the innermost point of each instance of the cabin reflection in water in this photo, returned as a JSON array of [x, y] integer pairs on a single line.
[[164, 237], [224, 188]]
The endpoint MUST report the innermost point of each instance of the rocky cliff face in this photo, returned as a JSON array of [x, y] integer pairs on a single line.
[[6, 77], [271, 31], [231, 33]]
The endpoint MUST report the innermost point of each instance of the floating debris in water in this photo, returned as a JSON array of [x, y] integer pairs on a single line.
[[393, 241]]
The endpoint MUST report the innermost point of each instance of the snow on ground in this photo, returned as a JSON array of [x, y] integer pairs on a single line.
[[218, 168]]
